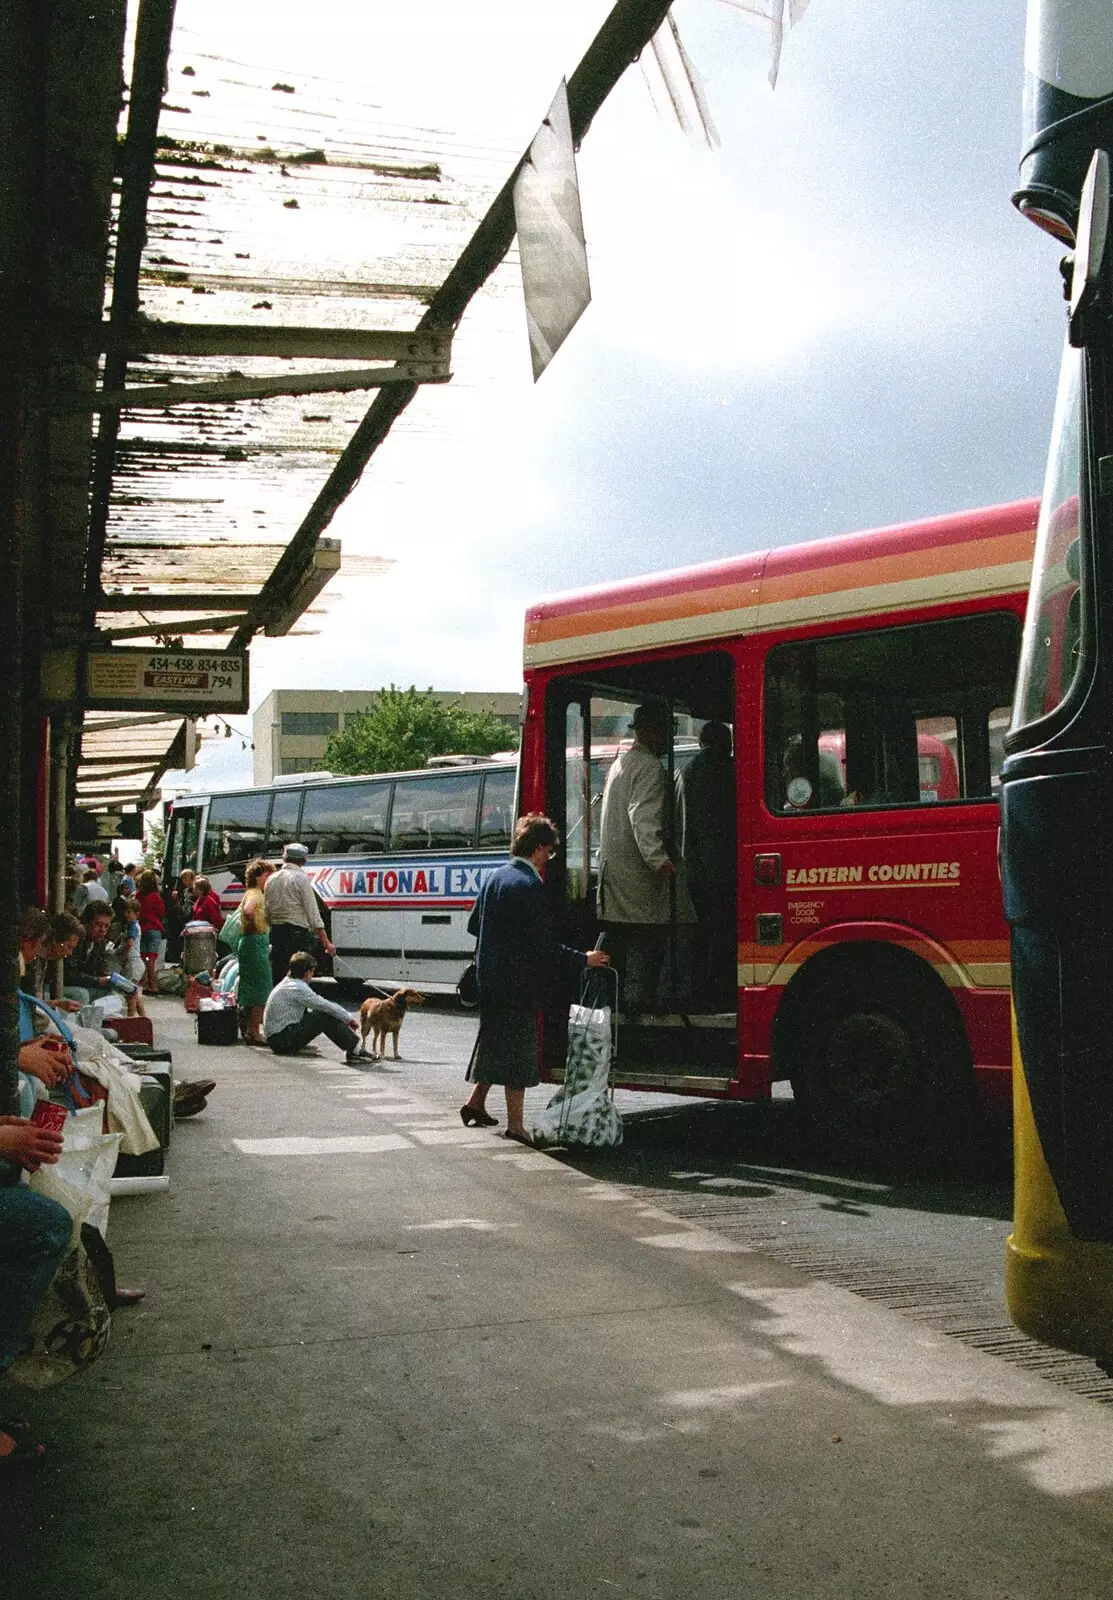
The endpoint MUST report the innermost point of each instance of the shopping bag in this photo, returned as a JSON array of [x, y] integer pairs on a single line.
[[70, 1327], [232, 931], [582, 1111], [80, 1178], [71, 1323]]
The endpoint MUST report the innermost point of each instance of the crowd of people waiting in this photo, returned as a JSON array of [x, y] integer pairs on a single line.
[[36, 1231]]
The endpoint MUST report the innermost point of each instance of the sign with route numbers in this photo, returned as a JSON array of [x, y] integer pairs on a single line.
[[192, 681]]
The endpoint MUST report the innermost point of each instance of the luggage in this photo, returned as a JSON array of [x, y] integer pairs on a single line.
[[218, 1026], [157, 1098], [133, 1030]]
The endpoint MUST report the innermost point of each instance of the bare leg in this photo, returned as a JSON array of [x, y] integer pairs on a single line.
[[151, 962], [515, 1109], [478, 1098], [255, 1025]]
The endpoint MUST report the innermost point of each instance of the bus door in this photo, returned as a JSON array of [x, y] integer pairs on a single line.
[[182, 838], [689, 1030]]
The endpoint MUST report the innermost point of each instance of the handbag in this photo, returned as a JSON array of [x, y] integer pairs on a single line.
[[468, 987]]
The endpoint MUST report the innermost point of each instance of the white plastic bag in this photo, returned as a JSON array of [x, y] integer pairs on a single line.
[[80, 1178], [99, 1059], [582, 1111]]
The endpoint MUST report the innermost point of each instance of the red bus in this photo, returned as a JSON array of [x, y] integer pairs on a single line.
[[867, 681]]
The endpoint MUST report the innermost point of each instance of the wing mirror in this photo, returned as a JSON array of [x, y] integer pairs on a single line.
[[1090, 250]]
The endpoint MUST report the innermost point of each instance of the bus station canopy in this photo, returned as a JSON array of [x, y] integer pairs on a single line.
[[251, 277]]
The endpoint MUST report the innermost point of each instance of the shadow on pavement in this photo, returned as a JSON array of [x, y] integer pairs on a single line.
[[746, 1146]]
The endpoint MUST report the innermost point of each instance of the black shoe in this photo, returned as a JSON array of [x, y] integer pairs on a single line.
[[472, 1117], [192, 1088]]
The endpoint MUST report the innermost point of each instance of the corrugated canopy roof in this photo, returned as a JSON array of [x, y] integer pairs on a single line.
[[289, 220]]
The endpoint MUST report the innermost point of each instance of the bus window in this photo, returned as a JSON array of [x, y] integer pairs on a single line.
[[284, 819], [435, 813], [895, 716], [345, 819], [496, 816], [237, 829]]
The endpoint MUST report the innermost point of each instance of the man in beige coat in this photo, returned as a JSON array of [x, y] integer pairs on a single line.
[[637, 876]]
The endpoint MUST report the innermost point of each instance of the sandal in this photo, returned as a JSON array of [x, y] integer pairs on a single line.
[[24, 1451]]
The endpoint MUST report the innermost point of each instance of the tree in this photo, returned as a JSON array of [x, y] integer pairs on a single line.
[[156, 844], [406, 726]]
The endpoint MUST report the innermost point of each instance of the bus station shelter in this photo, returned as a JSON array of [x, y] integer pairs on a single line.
[[207, 331]]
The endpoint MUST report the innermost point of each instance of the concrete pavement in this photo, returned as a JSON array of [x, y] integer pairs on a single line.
[[385, 1355]]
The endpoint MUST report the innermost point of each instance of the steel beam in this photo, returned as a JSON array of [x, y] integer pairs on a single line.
[[168, 601], [143, 337], [151, 630], [222, 390]]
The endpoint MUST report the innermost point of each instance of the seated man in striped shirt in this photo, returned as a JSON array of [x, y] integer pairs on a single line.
[[295, 1014]]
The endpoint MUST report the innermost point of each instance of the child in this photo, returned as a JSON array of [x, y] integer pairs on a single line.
[[129, 958]]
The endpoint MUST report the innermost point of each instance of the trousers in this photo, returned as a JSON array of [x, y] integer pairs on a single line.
[[299, 1034], [35, 1234], [286, 940]]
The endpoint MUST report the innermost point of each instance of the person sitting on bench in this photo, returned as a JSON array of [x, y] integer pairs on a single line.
[[295, 1014]]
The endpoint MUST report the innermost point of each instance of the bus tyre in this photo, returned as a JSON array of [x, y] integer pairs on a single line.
[[880, 1069]]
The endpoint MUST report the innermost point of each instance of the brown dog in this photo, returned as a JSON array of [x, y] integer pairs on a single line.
[[380, 1017]]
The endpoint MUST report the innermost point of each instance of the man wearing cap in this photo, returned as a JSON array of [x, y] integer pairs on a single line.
[[637, 876], [293, 913]]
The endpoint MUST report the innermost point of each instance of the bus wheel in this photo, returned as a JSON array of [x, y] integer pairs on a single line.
[[879, 1069]]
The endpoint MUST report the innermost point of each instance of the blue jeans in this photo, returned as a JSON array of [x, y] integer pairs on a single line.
[[35, 1234]]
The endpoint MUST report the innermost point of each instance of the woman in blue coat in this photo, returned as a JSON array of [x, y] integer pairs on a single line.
[[517, 958]]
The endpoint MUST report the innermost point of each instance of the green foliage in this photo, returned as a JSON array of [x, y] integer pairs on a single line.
[[407, 726], [156, 844]]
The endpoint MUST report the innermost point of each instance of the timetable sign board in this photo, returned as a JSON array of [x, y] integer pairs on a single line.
[[192, 681]]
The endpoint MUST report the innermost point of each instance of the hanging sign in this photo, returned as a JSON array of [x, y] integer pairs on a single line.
[[192, 681]]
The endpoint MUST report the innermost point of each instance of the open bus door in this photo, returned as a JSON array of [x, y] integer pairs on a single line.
[[687, 1037], [1057, 844]]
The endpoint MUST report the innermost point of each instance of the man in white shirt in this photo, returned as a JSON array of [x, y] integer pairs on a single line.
[[292, 912], [295, 1014], [637, 875]]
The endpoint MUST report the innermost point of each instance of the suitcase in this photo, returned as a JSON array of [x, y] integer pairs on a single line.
[[133, 1030], [155, 1062], [158, 1103], [218, 1027]]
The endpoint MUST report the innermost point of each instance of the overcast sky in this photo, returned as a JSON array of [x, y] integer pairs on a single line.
[[834, 321]]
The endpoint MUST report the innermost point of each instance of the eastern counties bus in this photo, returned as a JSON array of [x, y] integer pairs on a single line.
[[868, 681], [396, 860]]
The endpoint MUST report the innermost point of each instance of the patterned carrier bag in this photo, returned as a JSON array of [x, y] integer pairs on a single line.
[[582, 1111]]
